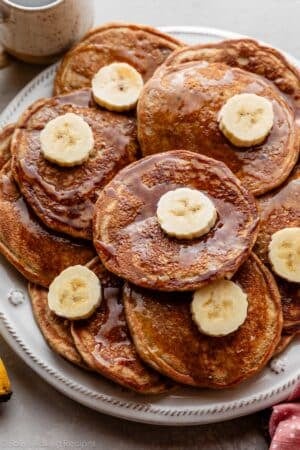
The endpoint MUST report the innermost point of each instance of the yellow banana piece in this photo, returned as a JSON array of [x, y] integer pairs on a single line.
[[75, 293], [117, 87], [186, 213], [246, 119], [5, 387], [219, 308]]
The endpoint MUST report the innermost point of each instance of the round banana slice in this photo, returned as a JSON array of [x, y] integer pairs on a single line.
[[117, 87], [186, 213], [75, 293], [284, 253], [246, 119], [67, 140], [219, 308]]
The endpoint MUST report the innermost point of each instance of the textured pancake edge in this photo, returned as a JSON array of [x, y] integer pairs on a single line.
[[132, 26], [4, 250], [89, 361], [284, 342], [58, 90], [145, 352], [291, 325], [56, 348], [7, 130], [30, 275], [6, 134], [290, 164]]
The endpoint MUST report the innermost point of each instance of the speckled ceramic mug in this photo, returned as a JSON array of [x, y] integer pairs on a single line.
[[38, 31]]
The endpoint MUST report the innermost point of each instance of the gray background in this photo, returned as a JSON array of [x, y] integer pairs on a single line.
[[39, 417]]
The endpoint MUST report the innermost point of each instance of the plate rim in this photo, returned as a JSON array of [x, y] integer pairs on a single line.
[[130, 410]]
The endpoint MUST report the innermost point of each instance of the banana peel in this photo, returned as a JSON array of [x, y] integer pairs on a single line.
[[5, 386]]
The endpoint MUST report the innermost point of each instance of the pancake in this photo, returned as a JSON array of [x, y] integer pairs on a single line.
[[277, 210], [290, 299], [39, 254], [284, 342], [105, 344], [5, 141], [179, 108], [63, 197], [131, 243], [249, 55], [55, 330], [167, 338], [142, 47]]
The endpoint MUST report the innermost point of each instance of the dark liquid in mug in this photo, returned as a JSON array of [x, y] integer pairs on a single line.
[[32, 3]]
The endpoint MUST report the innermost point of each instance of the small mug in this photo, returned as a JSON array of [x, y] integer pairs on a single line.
[[38, 31]]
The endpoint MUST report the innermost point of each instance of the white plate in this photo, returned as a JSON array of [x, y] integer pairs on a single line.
[[185, 407]]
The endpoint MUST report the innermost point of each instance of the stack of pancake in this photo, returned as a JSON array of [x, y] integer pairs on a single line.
[[102, 213]]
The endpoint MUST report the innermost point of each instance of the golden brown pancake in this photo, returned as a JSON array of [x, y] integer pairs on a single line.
[[55, 330], [64, 197], [131, 243], [284, 342], [167, 338], [277, 210], [142, 47], [38, 253], [290, 299], [179, 108], [105, 344], [249, 55], [5, 141]]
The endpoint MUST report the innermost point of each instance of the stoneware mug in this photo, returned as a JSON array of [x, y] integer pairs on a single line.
[[38, 31]]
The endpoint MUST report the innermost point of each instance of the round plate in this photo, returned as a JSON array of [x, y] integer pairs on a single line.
[[186, 406]]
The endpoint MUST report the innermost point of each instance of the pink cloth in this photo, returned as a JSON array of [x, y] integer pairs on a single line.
[[284, 425]]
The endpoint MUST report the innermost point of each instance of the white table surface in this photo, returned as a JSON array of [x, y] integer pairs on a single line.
[[37, 416]]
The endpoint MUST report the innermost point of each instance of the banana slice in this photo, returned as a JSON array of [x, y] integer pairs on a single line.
[[246, 119], [117, 87], [67, 140], [219, 308], [284, 253], [5, 386], [75, 293], [186, 213]]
